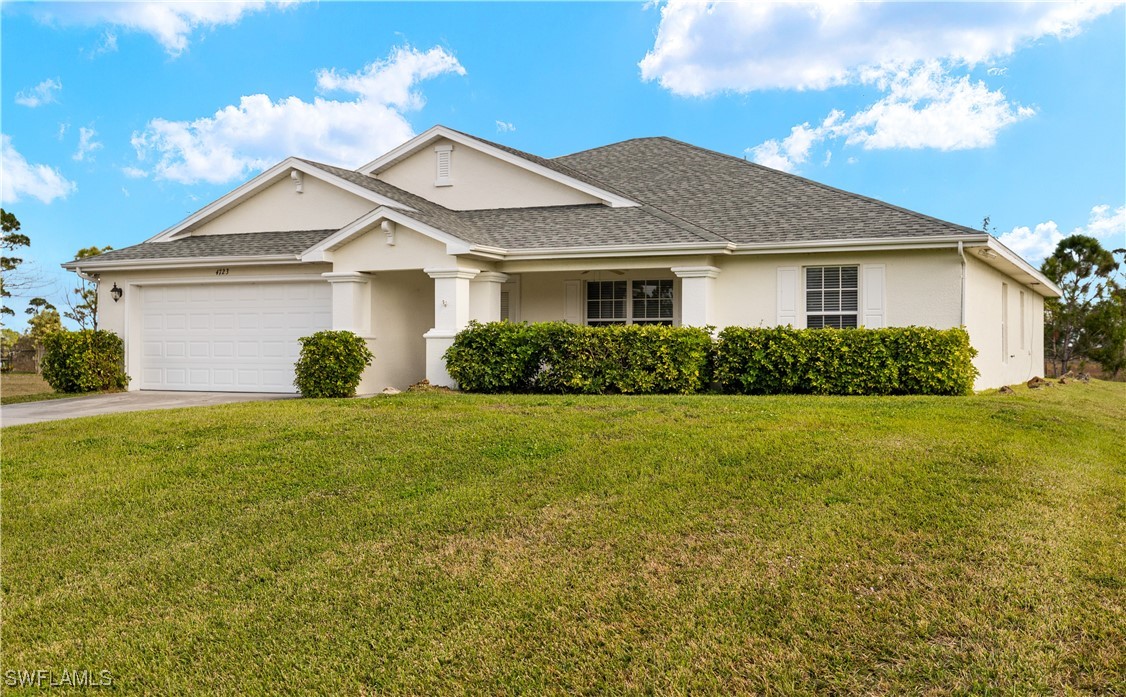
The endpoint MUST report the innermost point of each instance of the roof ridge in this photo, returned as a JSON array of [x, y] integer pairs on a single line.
[[818, 184]]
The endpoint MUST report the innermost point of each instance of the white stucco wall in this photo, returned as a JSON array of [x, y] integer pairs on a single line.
[[1012, 355], [479, 181], [279, 207]]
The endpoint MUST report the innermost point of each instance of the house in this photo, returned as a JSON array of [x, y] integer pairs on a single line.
[[448, 228]]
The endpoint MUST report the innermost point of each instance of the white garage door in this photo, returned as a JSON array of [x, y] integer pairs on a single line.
[[228, 337]]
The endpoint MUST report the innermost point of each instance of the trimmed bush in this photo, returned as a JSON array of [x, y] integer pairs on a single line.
[[557, 357], [84, 361], [331, 364], [907, 360]]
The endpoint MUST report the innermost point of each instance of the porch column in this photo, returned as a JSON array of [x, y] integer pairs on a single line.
[[696, 290], [484, 296], [351, 301], [451, 314]]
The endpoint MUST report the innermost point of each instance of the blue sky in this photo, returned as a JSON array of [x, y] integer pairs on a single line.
[[118, 120]]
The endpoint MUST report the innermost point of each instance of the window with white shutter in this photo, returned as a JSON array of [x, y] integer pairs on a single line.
[[832, 297]]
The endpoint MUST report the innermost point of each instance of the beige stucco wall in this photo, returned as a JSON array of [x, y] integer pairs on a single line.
[[279, 207], [412, 250], [402, 310], [1025, 335], [479, 181], [921, 287]]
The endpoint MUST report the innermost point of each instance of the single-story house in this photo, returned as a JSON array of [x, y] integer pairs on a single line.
[[448, 228]]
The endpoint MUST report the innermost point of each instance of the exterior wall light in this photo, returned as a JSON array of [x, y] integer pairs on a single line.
[[116, 293]]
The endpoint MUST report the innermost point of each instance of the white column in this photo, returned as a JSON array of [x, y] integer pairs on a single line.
[[351, 301], [484, 296], [696, 291], [451, 314]]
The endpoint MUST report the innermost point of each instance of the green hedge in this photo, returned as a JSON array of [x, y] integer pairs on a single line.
[[84, 361], [907, 360], [331, 364], [556, 357]]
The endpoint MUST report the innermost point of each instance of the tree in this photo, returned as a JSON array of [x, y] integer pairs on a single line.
[[83, 301], [8, 338], [1086, 274], [1104, 333], [44, 320], [10, 240]]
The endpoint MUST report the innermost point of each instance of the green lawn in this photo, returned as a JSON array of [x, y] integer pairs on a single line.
[[434, 544]]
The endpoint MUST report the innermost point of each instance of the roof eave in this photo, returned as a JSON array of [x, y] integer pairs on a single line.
[[79, 265]]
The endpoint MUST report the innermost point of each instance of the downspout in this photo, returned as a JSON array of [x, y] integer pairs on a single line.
[[962, 308]]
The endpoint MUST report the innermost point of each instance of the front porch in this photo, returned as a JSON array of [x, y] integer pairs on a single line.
[[410, 317]]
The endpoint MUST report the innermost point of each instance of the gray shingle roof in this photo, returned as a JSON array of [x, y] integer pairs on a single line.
[[236, 245], [745, 202], [686, 195]]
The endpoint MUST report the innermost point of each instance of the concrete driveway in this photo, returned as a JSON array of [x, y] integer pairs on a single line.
[[72, 408]]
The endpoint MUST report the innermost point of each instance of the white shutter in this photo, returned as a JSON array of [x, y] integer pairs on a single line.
[[788, 295], [573, 302], [874, 300], [444, 165]]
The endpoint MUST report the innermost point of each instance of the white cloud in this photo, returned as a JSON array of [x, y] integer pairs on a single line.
[[788, 153], [134, 172], [926, 108], [21, 178], [1036, 244], [172, 24], [828, 158], [107, 44], [997, 71], [705, 48], [43, 93], [86, 144], [922, 108], [505, 127], [258, 131]]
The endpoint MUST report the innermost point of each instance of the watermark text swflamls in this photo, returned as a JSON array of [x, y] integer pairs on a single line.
[[58, 678]]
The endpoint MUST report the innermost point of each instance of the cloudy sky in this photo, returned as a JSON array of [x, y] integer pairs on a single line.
[[119, 120]]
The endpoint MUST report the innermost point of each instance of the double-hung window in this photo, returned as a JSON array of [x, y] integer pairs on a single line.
[[831, 296], [629, 302]]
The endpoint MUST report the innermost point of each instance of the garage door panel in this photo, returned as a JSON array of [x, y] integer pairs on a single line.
[[228, 337]]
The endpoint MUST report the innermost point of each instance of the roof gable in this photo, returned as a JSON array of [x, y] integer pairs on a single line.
[[531, 164], [292, 168]]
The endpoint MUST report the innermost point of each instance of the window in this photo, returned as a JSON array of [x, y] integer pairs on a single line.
[[831, 296], [629, 302]]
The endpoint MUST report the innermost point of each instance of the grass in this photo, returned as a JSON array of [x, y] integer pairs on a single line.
[[432, 544]]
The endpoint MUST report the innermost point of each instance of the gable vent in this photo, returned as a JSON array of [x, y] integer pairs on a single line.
[[443, 155]]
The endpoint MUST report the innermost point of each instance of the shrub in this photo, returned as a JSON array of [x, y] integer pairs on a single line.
[[495, 357], [909, 360], [331, 364], [566, 358], [84, 361]]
